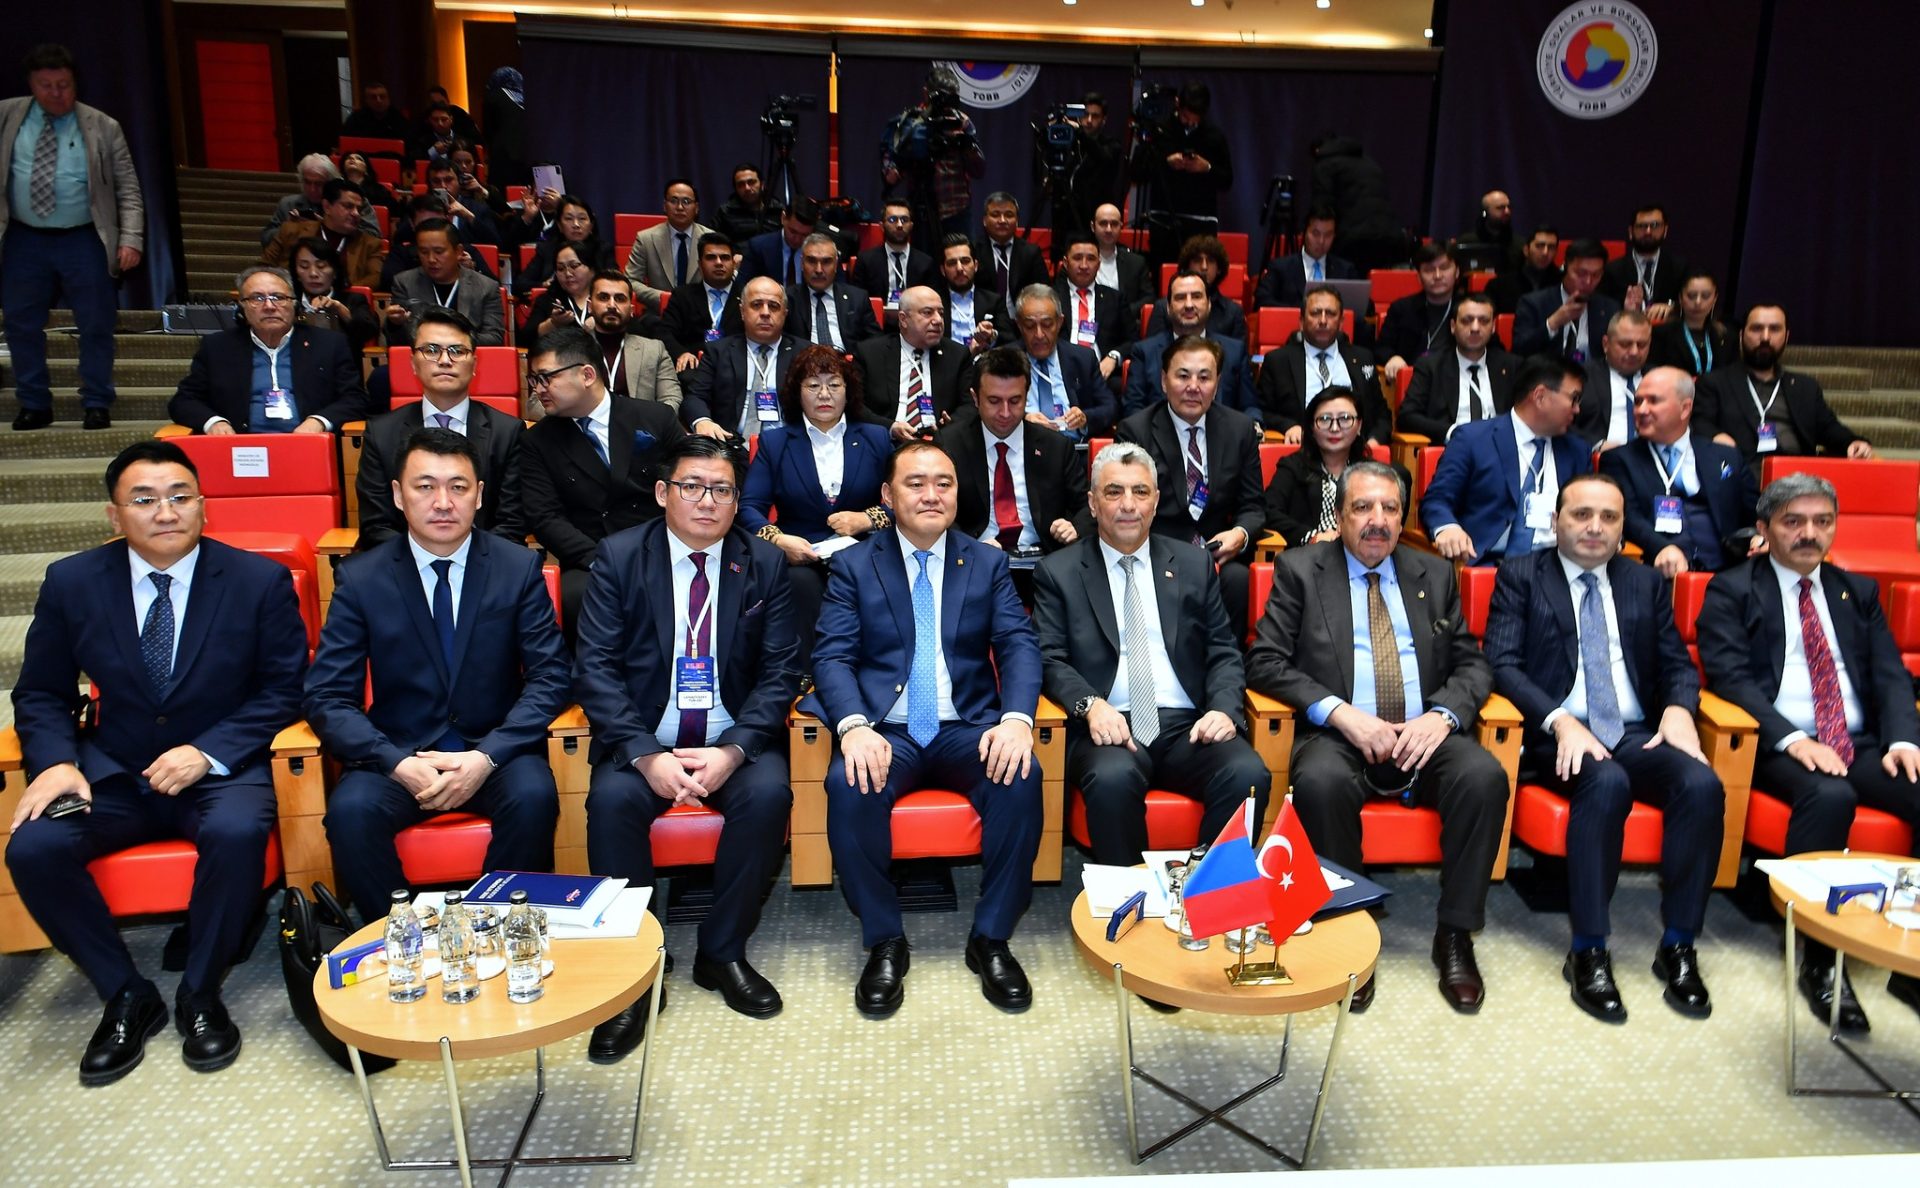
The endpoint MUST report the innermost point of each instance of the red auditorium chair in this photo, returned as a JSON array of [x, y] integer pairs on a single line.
[[273, 482], [496, 378], [1275, 324], [1879, 501]]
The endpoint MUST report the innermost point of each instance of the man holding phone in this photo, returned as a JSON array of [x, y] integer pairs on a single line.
[[466, 209], [1568, 319]]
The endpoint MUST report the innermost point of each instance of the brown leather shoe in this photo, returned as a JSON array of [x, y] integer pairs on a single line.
[[1460, 982]]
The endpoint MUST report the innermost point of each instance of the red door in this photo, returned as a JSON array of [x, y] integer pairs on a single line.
[[237, 116]]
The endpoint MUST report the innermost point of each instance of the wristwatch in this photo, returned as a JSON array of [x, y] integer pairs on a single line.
[[1084, 706]]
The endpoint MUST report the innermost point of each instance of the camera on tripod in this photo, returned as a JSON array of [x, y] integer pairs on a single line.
[[1153, 113], [946, 123], [1057, 136], [781, 117]]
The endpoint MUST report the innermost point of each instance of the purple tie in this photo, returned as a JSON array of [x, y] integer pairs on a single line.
[[693, 723]]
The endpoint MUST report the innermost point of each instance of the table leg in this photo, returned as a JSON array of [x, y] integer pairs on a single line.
[[366, 1095], [1326, 1074], [1792, 1015], [1126, 1061], [453, 1105]]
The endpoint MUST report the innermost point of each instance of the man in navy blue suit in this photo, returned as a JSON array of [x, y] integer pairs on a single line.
[[928, 674], [686, 670], [1568, 319], [1287, 279], [777, 253], [1583, 641], [1493, 493], [457, 630], [1067, 392], [1188, 307], [179, 747]]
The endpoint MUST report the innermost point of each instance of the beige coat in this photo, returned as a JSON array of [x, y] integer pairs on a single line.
[[113, 188]]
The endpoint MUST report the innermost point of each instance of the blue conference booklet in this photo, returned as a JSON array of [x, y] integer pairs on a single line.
[[1361, 891], [571, 899]]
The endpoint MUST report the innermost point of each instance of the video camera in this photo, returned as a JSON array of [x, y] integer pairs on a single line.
[[1153, 113], [781, 117], [1056, 137]]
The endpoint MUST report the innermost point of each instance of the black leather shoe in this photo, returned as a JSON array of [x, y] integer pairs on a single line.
[[1816, 986], [1679, 967], [1590, 973], [1460, 982], [120, 1041], [882, 987], [739, 983], [97, 418], [1906, 988], [40, 418], [1001, 978], [1363, 994], [612, 1040], [212, 1041]]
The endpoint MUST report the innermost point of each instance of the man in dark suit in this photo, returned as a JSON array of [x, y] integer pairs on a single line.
[[1417, 325], [268, 375], [1583, 641], [1494, 491], [701, 312], [588, 468], [1647, 267], [1605, 417], [967, 308], [1068, 390], [1471, 382], [826, 309], [686, 670], [1537, 270], [735, 390], [1366, 640], [1287, 278], [776, 254], [1022, 485], [1759, 407], [927, 672], [1188, 306], [443, 363], [1321, 357], [1096, 316], [1208, 459], [894, 265], [1121, 268], [197, 651], [1689, 498], [1144, 660], [1570, 318], [936, 368], [453, 631], [1804, 647], [1007, 263], [1207, 256], [440, 280]]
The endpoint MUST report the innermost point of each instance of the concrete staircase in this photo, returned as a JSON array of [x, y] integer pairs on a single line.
[[1875, 390], [221, 213]]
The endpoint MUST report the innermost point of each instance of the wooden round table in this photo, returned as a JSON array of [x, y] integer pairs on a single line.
[[592, 981], [1325, 966]]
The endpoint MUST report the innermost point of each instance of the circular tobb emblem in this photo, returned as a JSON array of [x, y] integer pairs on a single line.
[[1596, 58], [991, 84]]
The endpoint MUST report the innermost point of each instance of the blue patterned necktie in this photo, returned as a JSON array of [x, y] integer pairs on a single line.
[[156, 634], [1670, 458], [1519, 536], [923, 693], [1603, 702]]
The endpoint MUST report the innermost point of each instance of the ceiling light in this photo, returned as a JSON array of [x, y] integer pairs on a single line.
[[1427, 33], [1199, 3], [1323, 3]]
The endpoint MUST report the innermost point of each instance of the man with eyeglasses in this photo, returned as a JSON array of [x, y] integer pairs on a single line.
[[914, 380], [735, 392], [706, 309], [894, 265], [1321, 357], [639, 363], [588, 468], [1649, 273], [686, 669], [826, 309], [341, 228], [441, 281], [666, 255], [196, 650], [267, 375], [1068, 392], [443, 361]]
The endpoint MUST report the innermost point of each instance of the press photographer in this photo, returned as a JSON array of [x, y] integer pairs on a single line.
[[931, 151], [1185, 162]]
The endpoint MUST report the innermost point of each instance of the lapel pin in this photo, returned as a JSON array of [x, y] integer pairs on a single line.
[[733, 567], [1166, 573], [1419, 593], [1843, 595], [960, 561]]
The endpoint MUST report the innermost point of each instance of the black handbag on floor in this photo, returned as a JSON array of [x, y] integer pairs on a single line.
[[309, 930]]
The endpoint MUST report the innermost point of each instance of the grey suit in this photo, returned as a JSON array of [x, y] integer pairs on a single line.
[[649, 372], [649, 262], [477, 298]]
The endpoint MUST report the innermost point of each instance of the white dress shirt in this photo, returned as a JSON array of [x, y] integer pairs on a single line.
[[1684, 478], [822, 299], [1337, 375], [456, 416], [1017, 466], [430, 579], [600, 421], [1168, 692], [718, 719], [1463, 404], [1620, 422], [829, 456], [1623, 692], [1109, 273], [960, 319]]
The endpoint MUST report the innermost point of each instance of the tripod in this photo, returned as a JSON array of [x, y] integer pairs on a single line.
[[782, 177]]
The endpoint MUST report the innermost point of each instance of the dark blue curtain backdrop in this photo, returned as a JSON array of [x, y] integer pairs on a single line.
[[1831, 214], [621, 118], [1680, 144], [118, 46]]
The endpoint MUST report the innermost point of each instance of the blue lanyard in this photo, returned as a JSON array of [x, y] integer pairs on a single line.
[[1706, 340]]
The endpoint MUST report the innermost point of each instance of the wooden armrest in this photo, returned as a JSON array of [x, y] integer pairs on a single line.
[[800, 717], [166, 431], [1717, 713], [337, 542], [10, 749], [297, 739], [1272, 540], [1498, 711], [1259, 705], [1049, 713], [353, 429], [1411, 440], [572, 721]]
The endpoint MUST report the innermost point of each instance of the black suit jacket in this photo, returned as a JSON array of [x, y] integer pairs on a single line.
[[1535, 649], [1114, 329], [762, 256], [1726, 485], [1593, 420], [717, 389], [1403, 331], [493, 433], [1667, 275], [219, 382], [571, 500], [1027, 265], [623, 670], [872, 270], [1056, 475], [1434, 393], [1743, 648], [236, 676], [510, 674], [851, 306], [1080, 637], [1139, 280], [1530, 334], [1303, 646], [948, 366], [1234, 496], [1284, 282], [1283, 389], [1722, 404], [686, 319], [1673, 347]]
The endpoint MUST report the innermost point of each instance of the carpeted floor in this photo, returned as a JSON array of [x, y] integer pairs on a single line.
[[951, 1091]]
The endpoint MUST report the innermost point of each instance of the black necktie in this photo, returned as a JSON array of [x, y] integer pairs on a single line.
[[679, 259], [1474, 408], [443, 608]]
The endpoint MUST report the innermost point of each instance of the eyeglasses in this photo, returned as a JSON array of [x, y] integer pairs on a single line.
[[1335, 420], [898, 220], [1649, 225], [723, 493], [832, 387], [681, 201], [176, 502], [267, 300], [537, 380], [453, 352]]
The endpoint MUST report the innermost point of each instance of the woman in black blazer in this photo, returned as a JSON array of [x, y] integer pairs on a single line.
[[564, 301], [577, 226], [1697, 341], [320, 278], [1300, 499]]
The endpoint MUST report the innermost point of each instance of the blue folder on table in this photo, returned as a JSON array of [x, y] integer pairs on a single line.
[[1364, 892]]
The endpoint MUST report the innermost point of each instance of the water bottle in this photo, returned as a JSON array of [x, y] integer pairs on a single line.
[[489, 953], [459, 981], [522, 934], [405, 942]]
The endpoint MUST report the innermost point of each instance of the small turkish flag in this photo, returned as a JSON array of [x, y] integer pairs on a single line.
[[1295, 886]]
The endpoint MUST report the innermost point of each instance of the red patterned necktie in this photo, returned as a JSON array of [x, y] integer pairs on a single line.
[[1006, 511], [1829, 709]]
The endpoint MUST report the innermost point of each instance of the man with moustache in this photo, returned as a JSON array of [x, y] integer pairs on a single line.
[[915, 380], [736, 389], [1322, 357], [638, 363], [894, 265], [967, 310]]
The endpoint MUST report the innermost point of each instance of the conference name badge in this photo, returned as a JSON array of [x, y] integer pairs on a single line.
[[1539, 511], [279, 406], [1197, 499], [693, 682], [1769, 439], [923, 408], [1666, 514], [766, 405], [713, 333]]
